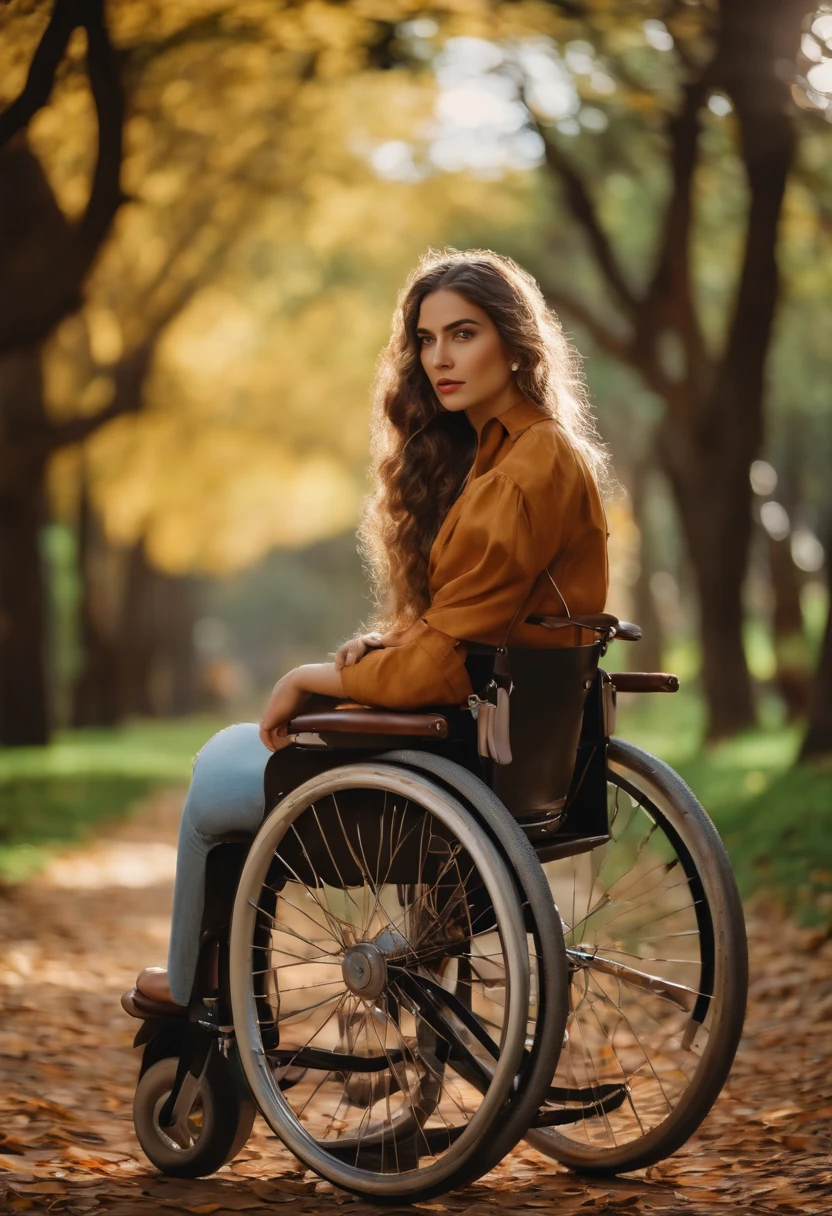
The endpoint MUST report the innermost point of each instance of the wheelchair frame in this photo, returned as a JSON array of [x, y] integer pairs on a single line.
[[558, 826]]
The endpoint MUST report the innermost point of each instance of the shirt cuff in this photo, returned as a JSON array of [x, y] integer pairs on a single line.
[[429, 669]]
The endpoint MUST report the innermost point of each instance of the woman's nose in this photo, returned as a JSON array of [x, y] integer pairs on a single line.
[[442, 356]]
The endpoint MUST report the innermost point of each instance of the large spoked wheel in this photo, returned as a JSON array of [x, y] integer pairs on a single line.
[[380, 981], [656, 944]]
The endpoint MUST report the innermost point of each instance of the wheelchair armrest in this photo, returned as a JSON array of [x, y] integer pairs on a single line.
[[361, 720], [600, 622], [644, 681]]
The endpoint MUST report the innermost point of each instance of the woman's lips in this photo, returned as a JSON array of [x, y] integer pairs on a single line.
[[450, 386]]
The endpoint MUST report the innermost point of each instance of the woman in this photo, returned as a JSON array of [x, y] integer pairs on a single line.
[[487, 471]]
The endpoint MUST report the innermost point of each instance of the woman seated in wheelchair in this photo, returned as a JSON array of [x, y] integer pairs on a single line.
[[411, 952], [487, 507]]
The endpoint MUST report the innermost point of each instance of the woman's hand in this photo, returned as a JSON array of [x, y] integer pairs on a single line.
[[288, 696], [355, 649]]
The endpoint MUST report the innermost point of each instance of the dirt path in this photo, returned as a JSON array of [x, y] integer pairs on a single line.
[[72, 941]]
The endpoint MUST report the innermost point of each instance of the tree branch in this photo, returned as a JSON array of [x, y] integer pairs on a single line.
[[45, 62], [105, 196], [606, 338], [627, 350], [129, 376], [670, 301], [583, 209], [29, 311], [131, 371], [767, 141]]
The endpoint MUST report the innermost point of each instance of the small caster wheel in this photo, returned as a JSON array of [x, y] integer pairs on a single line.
[[215, 1129]]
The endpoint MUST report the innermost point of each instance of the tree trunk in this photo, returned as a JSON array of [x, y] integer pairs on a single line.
[[175, 663], [24, 699], [96, 692], [715, 511], [818, 739], [646, 654], [136, 636], [713, 426], [792, 653], [155, 647], [793, 664]]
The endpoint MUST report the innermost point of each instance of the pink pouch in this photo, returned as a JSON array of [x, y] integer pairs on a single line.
[[493, 736]]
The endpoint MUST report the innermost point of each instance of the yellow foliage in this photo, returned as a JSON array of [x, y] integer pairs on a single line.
[[262, 242], [259, 234]]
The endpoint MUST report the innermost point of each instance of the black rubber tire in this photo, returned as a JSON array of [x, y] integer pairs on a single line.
[[670, 800], [166, 1039], [413, 1184], [228, 1113], [545, 923]]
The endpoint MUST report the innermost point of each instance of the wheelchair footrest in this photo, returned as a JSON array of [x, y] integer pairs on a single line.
[[594, 1101], [334, 1061]]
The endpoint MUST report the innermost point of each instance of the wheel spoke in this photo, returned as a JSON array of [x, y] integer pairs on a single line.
[[635, 951], [365, 890]]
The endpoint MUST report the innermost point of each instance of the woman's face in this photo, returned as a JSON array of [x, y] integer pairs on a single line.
[[462, 353]]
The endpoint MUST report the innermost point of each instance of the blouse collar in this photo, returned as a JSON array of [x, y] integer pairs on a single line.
[[512, 422], [518, 418]]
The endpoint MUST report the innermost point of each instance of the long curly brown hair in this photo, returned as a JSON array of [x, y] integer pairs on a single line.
[[421, 454]]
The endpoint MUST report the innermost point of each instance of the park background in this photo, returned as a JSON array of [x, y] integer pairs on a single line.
[[206, 212]]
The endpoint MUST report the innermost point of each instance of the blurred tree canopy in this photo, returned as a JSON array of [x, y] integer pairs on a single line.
[[192, 379]]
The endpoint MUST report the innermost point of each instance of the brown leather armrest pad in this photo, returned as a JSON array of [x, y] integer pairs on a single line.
[[600, 622], [644, 681], [370, 722]]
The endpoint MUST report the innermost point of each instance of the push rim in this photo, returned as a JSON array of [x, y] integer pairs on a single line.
[[656, 950], [429, 1021]]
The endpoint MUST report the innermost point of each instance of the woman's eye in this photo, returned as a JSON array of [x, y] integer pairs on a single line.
[[424, 339], [464, 333]]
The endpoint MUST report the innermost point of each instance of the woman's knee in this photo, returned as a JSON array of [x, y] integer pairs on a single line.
[[226, 741], [226, 792]]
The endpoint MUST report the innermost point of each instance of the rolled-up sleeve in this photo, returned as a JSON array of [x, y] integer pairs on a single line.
[[427, 669]]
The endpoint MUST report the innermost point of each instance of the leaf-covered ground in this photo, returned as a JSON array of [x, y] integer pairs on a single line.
[[72, 940]]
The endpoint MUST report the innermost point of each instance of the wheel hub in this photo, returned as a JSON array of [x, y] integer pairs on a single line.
[[364, 968]]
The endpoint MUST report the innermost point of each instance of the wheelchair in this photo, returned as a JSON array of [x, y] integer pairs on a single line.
[[423, 957]]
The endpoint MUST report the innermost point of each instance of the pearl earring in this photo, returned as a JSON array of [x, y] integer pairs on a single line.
[[515, 367]]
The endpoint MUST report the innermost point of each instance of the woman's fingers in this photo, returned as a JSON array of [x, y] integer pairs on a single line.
[[350, 653], [355, 649], [275, 740]]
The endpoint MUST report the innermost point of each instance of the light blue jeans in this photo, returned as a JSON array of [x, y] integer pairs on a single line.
[[226, 795]]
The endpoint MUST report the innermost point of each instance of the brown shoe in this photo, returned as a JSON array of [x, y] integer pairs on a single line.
[[153, 983], [151, 998]]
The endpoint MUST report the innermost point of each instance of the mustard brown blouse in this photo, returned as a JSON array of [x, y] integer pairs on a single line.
[[530, 503]]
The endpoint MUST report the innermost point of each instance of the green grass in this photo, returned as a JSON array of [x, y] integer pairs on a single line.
[[54, 796], [774, 817]]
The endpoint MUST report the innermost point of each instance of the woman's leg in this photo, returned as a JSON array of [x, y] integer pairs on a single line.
[[226, 795]]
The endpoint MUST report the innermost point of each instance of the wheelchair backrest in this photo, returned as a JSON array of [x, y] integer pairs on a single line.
[[546, 712]]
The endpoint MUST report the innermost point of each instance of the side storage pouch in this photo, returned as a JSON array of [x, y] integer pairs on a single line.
[[547, 705]]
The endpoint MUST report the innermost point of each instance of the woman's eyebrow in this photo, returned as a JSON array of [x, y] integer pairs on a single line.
[[465, 321]]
